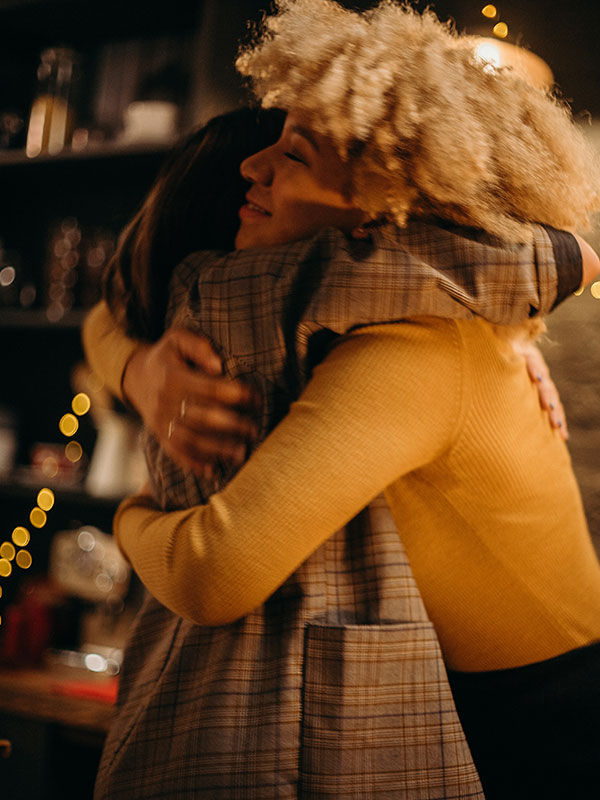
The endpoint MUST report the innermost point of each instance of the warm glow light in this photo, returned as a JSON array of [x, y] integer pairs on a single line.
[[500, 30], [7, 551], [489, 11], [5, 568], [7, 276], [68, 425], [579, 291], [50, 467], [94, 382], [37, 517], [73, 451], [497, 53], [81, 404], [595, 290], [45, 499], [24, 559], [20, 536], [489, 52]]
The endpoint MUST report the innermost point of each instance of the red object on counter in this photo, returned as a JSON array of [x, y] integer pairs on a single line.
[[105, 692]]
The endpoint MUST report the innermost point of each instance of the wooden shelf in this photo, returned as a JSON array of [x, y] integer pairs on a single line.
[[38, 320], [107, 150]]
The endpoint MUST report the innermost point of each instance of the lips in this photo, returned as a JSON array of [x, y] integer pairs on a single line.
[[253, 210]]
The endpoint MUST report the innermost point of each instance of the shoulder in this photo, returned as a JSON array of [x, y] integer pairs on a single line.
[[422, 350]]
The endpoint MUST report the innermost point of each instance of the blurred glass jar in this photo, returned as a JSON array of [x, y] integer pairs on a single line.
[[52, 117], [61, 268], [12, 128], [8, 440]]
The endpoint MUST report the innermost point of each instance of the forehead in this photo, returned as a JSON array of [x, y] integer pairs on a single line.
[[300, 125]]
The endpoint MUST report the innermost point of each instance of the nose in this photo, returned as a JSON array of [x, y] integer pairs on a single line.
[[258, 168]]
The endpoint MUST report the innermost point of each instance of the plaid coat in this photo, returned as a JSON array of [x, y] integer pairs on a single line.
[[335, 687]]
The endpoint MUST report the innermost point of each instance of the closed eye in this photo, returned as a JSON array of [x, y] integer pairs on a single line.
[[294, 157]]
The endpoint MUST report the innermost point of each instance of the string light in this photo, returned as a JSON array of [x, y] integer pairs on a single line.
[[45, 499], [68, 426], [81, 404], [20, 537], [73, 451], [24, 559], [37, 517], [7, 551]]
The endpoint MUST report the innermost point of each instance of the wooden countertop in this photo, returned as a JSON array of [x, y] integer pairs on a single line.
[[67, 696]]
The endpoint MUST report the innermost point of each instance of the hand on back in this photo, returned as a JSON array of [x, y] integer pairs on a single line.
[[198, 415]]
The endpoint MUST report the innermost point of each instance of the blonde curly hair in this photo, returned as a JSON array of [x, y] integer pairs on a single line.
[[429, 129]]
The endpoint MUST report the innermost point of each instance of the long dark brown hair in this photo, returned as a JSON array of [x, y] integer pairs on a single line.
[[193, 205]]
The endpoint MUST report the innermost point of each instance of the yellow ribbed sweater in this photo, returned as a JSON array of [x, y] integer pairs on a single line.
[[442, 415]]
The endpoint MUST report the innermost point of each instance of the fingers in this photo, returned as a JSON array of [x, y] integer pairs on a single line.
[[201, 435], [548, 393], [218, 421], [196, 350], [205, 390], [550, 401], [197, 414], [199, 450]]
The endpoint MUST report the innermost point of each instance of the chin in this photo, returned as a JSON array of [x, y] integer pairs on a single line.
[[252, 237]]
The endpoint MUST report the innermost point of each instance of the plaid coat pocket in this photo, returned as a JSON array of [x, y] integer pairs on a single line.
[[378, 719]]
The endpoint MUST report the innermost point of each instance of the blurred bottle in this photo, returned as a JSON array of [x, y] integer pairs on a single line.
[[61, 269], [12, 129], [98, 246], [8, 440], [52, 117]]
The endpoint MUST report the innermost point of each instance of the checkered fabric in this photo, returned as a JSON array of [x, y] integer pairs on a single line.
[[336, 687]]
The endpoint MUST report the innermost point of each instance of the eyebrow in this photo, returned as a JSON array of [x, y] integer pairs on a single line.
[[306, 134]]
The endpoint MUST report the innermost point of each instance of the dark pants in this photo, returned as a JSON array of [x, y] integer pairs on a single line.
[[534, 731]]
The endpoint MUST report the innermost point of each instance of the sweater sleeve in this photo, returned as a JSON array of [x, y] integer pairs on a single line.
[[107, 347], [357, 426]]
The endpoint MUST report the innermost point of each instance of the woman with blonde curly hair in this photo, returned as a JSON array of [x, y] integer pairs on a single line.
[[296, 569]]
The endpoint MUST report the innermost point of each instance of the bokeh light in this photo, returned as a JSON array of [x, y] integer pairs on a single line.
[[595, 290], [5, 568], [500, 30], [50, 467], [24, 559], [73, 451], [7, 551], [68, 424], [45, 499], [81, 404], [20, 536], [489, 52], [37, 517], [489, 11], [7, 276]]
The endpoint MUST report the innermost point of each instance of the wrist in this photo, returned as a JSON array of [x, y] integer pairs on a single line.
[[130, 378]]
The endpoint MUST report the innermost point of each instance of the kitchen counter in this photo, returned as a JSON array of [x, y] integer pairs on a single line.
[[68, 696]]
